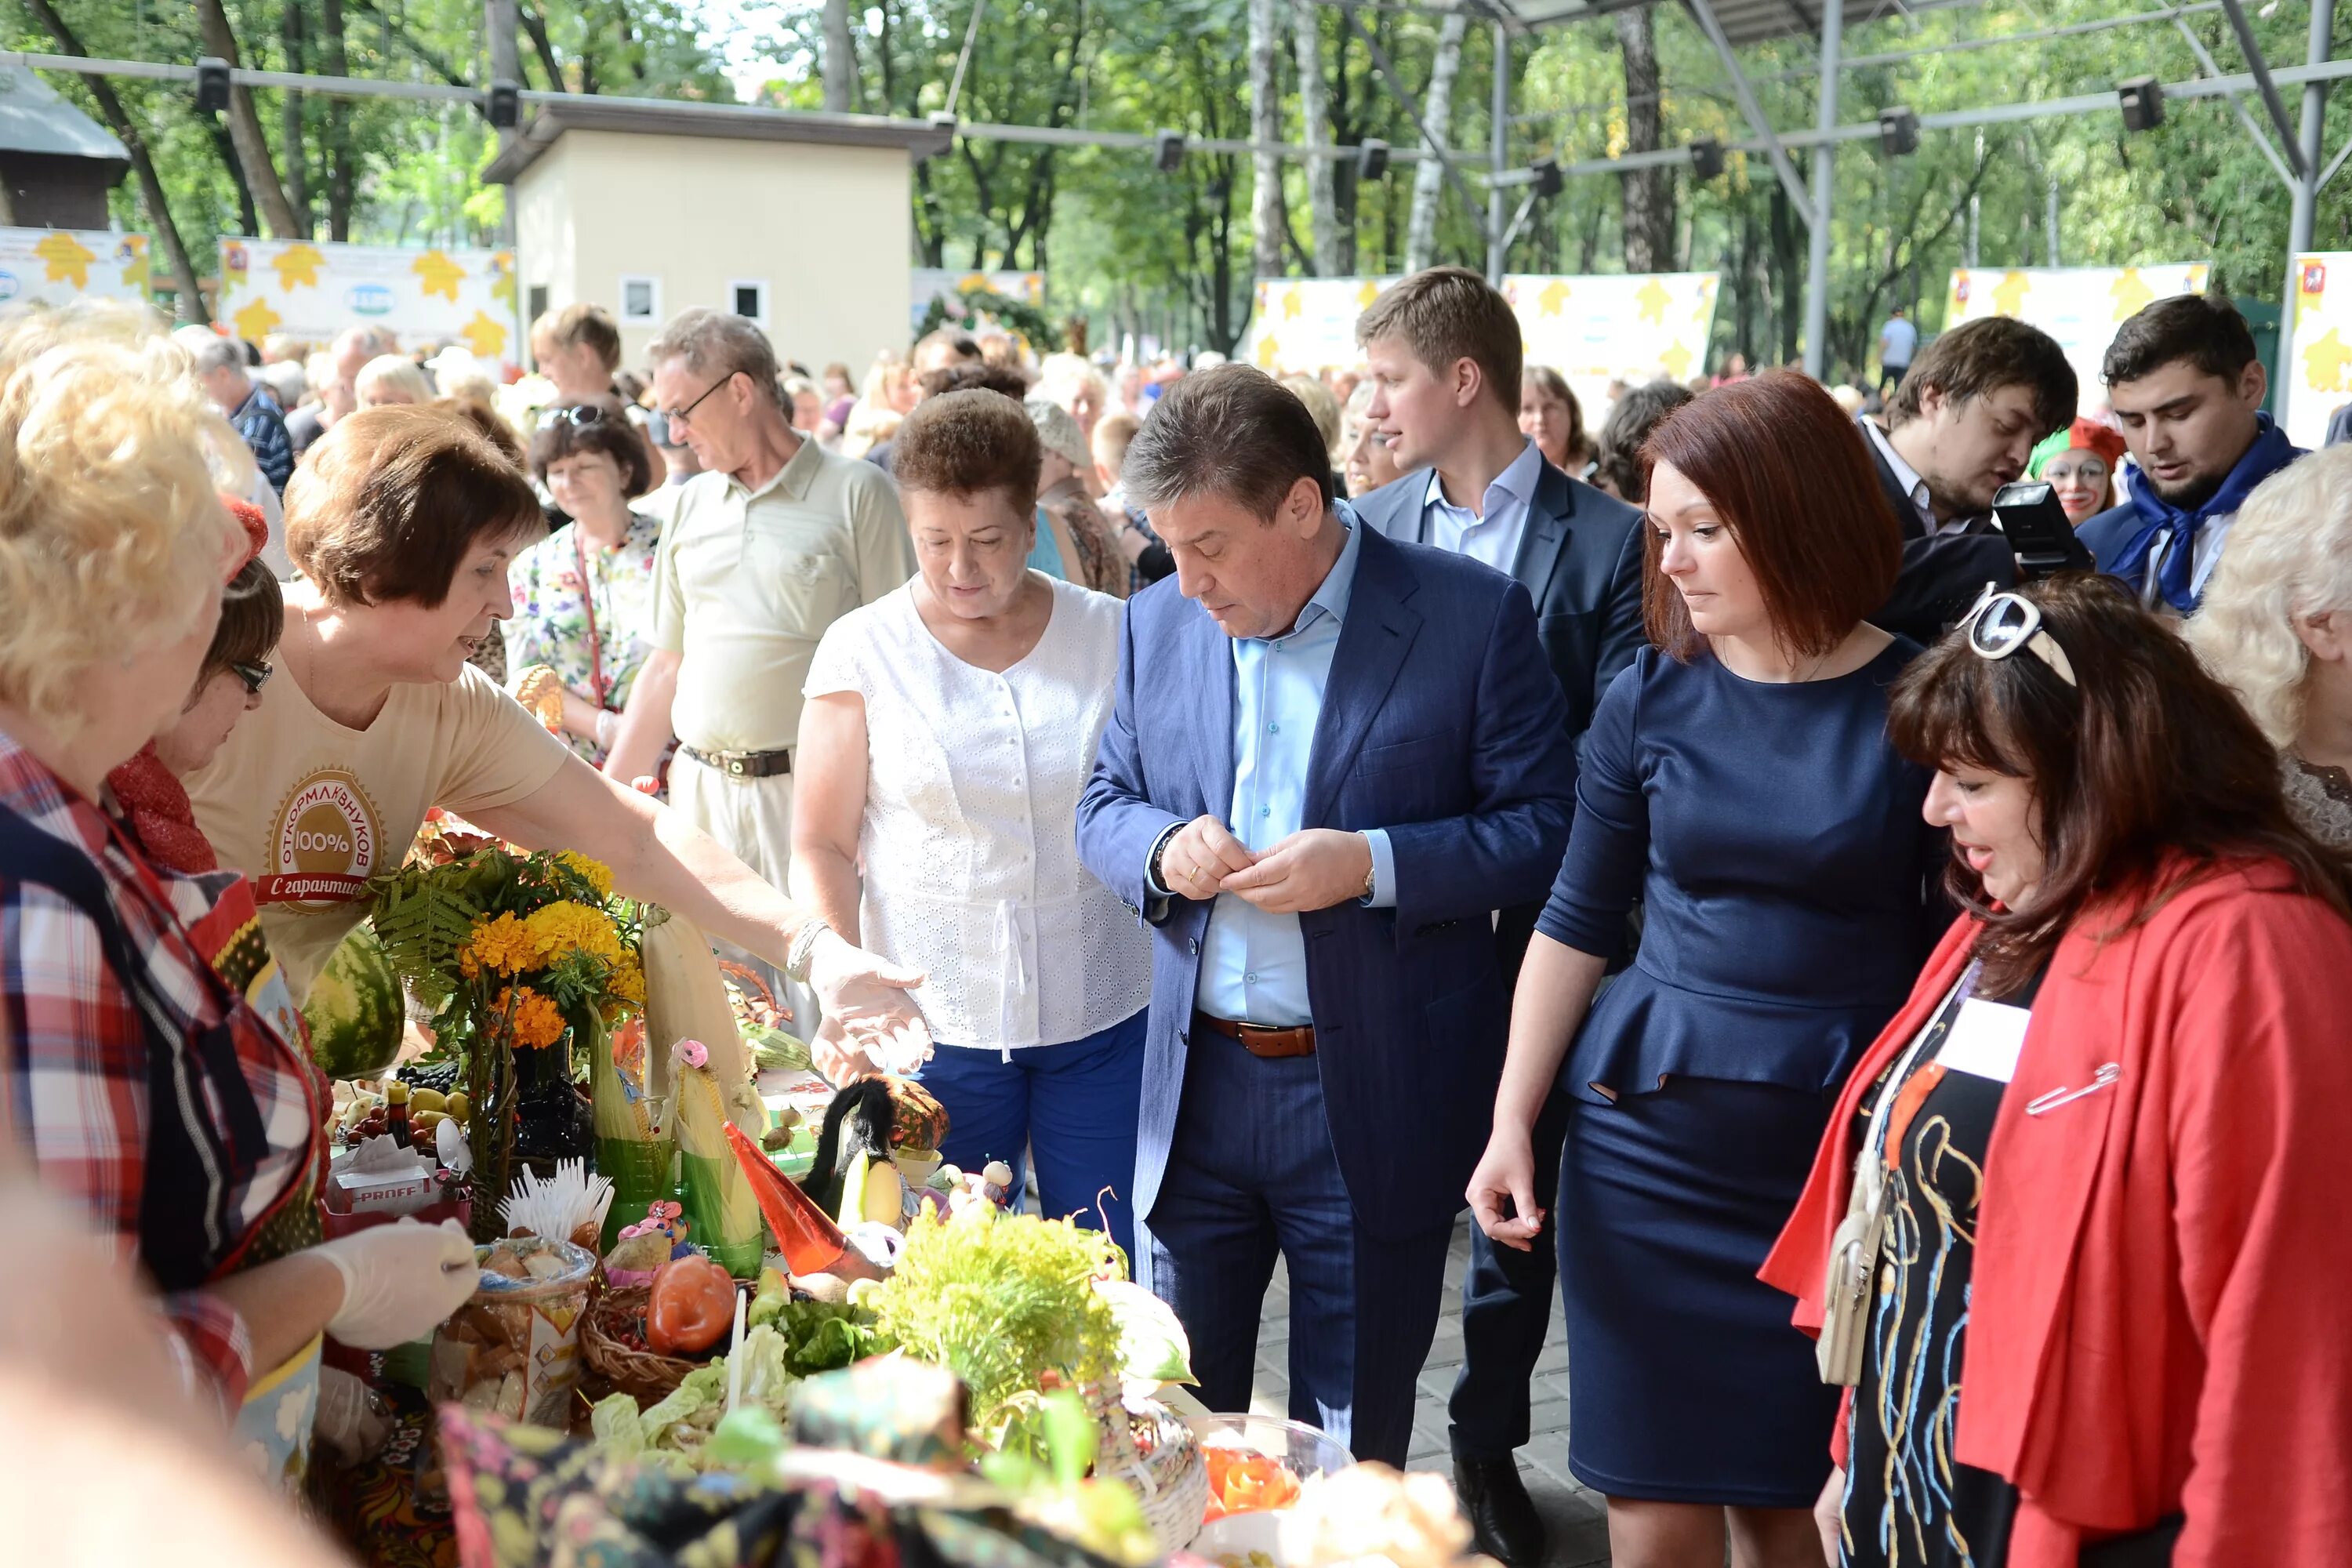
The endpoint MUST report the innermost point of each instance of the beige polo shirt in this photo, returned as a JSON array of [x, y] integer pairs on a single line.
[[747, 581], [310, 810]]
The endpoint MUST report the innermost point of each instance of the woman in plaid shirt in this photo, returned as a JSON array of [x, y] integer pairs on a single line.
[[170, 1101]]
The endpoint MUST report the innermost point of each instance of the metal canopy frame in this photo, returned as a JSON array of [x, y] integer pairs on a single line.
[[2295, 156]]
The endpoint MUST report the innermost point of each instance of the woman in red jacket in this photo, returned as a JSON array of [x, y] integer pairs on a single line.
[[2093, 1157]]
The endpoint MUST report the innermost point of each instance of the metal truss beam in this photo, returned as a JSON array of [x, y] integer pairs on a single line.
[[1708, 24], [2261, 138], [1394, 84], [2253, 49]]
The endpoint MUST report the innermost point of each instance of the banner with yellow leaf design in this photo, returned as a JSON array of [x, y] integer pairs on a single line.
[[1631, 327], [2315, 373], [2080, 306], [55, 266], [1592, 329], [1305, 325], [312, 292]]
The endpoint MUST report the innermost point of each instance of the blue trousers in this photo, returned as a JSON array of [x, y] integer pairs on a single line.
[[1075, 1106], [1252, 1175]]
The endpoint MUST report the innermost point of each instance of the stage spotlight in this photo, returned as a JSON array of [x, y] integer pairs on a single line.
[[2143, 102], [1899, 132]]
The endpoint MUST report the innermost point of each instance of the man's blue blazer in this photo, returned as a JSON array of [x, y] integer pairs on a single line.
[[1442, 723]]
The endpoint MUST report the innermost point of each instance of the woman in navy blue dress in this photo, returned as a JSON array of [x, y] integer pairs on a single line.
[[1737, 781]]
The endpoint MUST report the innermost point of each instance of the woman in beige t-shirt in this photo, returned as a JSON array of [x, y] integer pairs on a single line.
[[403, 523]]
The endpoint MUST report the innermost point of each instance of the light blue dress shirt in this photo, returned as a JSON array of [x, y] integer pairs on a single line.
[[1254, 964], [1492, 534]]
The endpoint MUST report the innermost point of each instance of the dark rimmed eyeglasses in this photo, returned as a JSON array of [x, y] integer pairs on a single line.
[[255, 675], [2001, 623], [677, 417]]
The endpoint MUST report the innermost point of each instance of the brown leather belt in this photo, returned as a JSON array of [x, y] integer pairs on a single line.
[[1261, 1040], [741, 764]]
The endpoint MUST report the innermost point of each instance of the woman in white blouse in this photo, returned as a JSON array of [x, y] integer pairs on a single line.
[[948, 730]]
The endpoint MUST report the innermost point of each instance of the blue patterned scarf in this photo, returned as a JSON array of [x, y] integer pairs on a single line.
[[2270, 452]]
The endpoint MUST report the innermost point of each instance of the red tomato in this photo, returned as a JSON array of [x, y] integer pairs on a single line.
[[690, 1307]]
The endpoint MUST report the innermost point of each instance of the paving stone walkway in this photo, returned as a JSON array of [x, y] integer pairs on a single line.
[[1580, 1532]]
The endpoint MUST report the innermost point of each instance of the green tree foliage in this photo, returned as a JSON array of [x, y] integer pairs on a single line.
[[1168, 255]]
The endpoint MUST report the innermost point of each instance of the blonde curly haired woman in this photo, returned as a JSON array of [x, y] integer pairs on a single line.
[[158, 1087], [2276, 627]]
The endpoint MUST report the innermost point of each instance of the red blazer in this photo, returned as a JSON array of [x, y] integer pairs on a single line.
[[2161, 1312]]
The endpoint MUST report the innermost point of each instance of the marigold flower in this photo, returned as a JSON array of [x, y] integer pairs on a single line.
[[595, 873], [503, 946], [560, 928], [537, 1023]]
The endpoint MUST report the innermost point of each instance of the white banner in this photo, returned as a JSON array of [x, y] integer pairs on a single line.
[[312, 292], [1592, 329], [55, 266], [1629, 327], [2315, 371], [1305, 325], [2080, 306], [932, 283]]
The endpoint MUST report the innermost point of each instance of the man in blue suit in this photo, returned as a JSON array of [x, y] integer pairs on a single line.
[[1444, 353], [1331, 756]]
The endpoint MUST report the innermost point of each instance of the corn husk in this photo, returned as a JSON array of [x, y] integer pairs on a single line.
[[633, 1138], [718, 1198]]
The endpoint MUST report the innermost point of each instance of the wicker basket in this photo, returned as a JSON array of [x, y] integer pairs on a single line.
[[1159, 1457], [605, 1340]]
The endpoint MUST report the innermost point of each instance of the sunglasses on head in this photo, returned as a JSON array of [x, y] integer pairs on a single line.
[[577, 415], [255, 675], [2001, 623]]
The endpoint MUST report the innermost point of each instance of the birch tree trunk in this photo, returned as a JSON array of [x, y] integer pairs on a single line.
[[1429, 174], [1266, 217], [1649, 192], [840, 58], [1314, 109], [244, 130]]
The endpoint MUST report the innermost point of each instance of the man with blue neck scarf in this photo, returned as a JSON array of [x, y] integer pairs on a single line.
[[2188, 389]]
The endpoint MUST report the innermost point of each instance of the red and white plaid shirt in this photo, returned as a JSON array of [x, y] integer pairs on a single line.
[[77, 1052]]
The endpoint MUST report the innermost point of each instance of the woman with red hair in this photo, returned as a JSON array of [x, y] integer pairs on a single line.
[[1737, 781], [2073, 1235]]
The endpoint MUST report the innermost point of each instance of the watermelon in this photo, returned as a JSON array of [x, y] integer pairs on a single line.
[[355, 1011]]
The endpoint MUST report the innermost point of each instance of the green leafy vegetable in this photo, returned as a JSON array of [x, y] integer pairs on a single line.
[[1001, 1301], [1152, 1345]]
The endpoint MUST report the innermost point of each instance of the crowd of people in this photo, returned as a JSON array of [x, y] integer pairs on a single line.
[[1840, 961]]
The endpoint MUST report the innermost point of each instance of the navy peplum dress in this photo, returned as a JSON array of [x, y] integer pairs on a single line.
[[1774, 838]]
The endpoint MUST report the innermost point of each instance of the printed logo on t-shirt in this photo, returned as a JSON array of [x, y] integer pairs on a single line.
[[325, 844]]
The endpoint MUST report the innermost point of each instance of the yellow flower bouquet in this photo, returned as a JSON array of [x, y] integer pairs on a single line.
[[527, 963]]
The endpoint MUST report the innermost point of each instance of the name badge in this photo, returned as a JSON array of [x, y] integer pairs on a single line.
[[1985, 1039]]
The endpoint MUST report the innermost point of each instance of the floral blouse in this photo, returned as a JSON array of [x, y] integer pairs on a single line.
[[554, 608]]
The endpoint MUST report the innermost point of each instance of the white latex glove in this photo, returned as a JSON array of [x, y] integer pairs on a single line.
[[351, 1420], [866, 995], [400, 1282]]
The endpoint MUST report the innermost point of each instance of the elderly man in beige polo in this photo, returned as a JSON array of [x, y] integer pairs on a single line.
[[771, 543]]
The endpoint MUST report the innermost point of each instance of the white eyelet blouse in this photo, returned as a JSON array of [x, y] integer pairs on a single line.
[[970, 841]]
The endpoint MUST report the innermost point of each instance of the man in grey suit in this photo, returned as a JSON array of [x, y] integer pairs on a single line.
[[1445, 353]]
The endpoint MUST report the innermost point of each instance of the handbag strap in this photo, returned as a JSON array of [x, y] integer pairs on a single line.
[[1870, 1165], [588, 609]]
